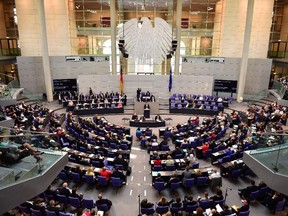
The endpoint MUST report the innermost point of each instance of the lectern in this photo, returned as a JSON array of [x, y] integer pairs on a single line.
[[147, 113]]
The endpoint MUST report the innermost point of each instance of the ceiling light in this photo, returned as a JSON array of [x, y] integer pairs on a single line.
[[209, 8]]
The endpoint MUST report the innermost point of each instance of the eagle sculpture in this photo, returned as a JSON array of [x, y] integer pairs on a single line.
[[145, 43]]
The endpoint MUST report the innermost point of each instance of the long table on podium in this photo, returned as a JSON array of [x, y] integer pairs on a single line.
[[147, 123]]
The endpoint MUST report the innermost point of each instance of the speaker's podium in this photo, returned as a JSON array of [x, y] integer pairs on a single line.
[[147, 113]]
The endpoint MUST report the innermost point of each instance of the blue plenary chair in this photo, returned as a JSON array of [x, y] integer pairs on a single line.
[[148, 211], [62, 175], [157, 168], [170, 167], [103, 207], [62, 199], [87, 203], [175, 186], [253, 196], [50, 213], [195, 165], [188, 183], [220, 202], [162, 209], [205, 204], [191, 208], [35, 212], [65, 214], [246, 213], [280, 206], [24, 209], [76, 177], [74, 201], [208, 153], [116, 182], [159, 186], [90, 180], [201, 181], [236, 173], [175, 210], [101, 181]]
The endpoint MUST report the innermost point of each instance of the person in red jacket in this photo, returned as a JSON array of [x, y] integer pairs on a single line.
[[205, 147], [105, 173]]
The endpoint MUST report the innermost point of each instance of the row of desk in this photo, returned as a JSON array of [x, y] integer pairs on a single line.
[[95, 111], [194, 111], [146, 123]]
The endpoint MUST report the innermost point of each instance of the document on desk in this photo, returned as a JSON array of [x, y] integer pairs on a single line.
[[216, 153], [218, 208], [91, 155]]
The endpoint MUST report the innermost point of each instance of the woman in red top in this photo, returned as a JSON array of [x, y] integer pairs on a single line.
[[157, 161], [205, 147], [105, 173]]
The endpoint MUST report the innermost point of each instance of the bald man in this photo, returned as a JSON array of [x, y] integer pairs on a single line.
[[102, 201]]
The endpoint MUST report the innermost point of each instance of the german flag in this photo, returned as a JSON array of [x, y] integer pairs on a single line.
[[121, 81]]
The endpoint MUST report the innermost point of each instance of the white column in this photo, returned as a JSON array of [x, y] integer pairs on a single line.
[[113, 35], [245, 51], [178, 35], [45, 54]]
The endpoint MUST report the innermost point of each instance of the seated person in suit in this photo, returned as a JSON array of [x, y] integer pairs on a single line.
[[226, 210], [118, 174], [217, 196], [245, 192], [102, 201], [159, 178], [177, 203], [134, 117], [146, 204], [55, 207], [152, 98], [174, 179], [64, 190], [158, 118], [188, 200], [271, 201], [142, 118], [120, 161], [243, 208]]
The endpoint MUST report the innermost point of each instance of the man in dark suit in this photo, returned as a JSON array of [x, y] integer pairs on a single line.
[[54, 208], [118, 174], [146, 106], [102, 201], [248, 190], [64, 190], [188, 200], [119, 160], [138, 94]]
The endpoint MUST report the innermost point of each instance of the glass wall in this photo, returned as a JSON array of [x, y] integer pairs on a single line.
[[92, 19], [200, 22], [279, 30]]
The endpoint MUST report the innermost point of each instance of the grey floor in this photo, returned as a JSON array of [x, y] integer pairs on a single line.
[[125, 200]]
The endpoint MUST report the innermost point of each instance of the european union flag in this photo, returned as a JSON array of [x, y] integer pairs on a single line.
[[170, 79]]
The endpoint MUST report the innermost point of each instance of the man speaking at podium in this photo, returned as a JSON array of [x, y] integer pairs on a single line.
[[146, 110]]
